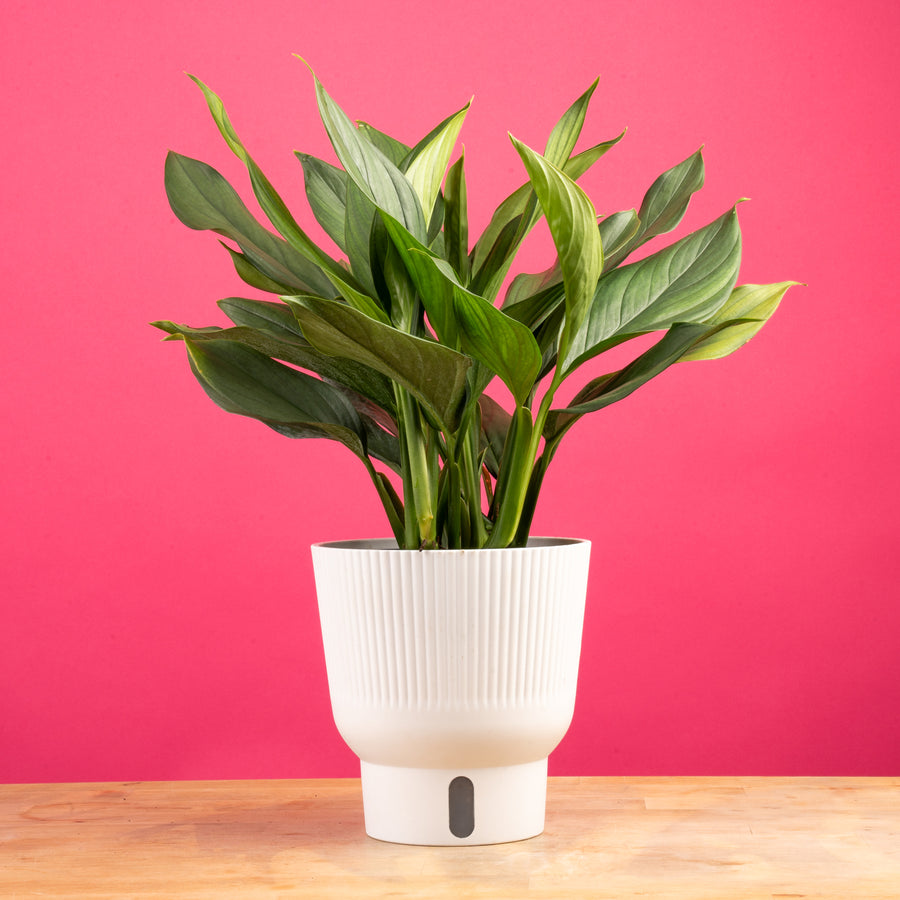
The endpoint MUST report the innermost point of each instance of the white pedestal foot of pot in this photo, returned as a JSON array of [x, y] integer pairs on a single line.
[[445, 807]]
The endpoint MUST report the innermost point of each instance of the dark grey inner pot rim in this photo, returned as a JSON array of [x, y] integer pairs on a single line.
[[381, 544]]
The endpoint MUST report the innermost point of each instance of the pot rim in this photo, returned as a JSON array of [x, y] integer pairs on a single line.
[[382, 545]]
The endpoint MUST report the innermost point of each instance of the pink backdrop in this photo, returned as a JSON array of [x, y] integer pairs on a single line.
[[158, 614]]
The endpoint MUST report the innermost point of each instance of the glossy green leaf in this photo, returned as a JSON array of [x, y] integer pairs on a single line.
[[435, 290], [502, 344], [434, 374], [685, 282], [512, 221], [573, 226], [748, 308]]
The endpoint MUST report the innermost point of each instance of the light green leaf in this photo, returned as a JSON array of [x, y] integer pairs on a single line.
[[573, 226], [434, 374], [752, 303], [429, 162], [565, 133], [685, 282], [512, 221]]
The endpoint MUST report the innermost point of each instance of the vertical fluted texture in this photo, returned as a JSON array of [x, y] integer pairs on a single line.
[[453, 630]]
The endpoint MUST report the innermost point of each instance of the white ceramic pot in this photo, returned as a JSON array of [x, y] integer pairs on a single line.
[[452, 676]]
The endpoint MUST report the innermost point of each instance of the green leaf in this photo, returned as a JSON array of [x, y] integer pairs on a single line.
[[242, 380], [505, 346], [279, 320], [280, 216], [616, 232], [573, 226], [359, 221], [375, 175], [748, 308], [685, 282], [493, 252], [456, 221], [203, 200], [429, 160], [608, 389], [252, 275], [664, 204], [434, 374], [495, 422], [396, 151], [435, 290], [326, 191], [294, 349], [567, 130]]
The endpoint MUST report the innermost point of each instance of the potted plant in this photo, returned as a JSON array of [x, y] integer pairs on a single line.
[[452, 648]]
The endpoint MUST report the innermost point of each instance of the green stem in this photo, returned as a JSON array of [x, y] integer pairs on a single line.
[[517, 468], [419, 475]]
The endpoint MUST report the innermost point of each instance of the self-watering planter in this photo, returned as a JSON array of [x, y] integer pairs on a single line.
[[452, 676]]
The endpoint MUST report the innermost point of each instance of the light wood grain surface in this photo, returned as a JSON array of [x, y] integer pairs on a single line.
[[693, 838]]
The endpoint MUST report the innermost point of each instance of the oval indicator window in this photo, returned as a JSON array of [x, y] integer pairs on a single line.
[[462, 806]]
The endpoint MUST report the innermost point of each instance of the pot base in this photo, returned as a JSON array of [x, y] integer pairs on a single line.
[[448, 807]]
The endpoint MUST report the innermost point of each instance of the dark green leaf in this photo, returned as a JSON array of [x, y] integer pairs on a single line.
[[434, 374], [202, 199], [456, 221], [505, 346], [244, 381], [280, 216], [326, 191], [253, 276], [290, 347]]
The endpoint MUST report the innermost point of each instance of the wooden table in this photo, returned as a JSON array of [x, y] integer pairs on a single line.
[[617, 838]]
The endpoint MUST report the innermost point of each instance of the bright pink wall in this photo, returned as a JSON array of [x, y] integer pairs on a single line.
[[158, 615]]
